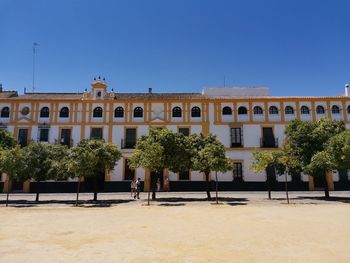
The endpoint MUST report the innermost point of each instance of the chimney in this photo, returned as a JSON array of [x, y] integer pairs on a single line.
[[346, 90], [149, 90], [0, 87]]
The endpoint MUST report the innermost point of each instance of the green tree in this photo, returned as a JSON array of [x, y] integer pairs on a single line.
[[38, 163], [12, 162], [305, 139], [59, 157], [208, 154], [90, 158], [159, 150], [338, 149], [6, 139]]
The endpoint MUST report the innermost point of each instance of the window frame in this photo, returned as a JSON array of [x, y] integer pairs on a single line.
[[97, 112], [304, 110], [119, 112], [318, 111], [289, 110], [176, 112], [195, 112], [273, 110], [138, 112], [227, 110], [258, 110], [66, 113], [45, 112], [242, 108]]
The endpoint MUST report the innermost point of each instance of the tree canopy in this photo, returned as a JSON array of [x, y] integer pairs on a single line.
[[6, 139]]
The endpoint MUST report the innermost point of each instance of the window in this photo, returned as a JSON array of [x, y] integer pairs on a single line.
[[64, 112], [184, 131], [185, 175], [129, 174], [320, 109], [23, 137], [66, 137], [5, 112], [237, 171], [289, 110], [44, 135], [305, 110], [177, 112], [119, 112], [335, 109], [195, 112], [268, 139], [258, 110], [97, 112], [242, 110], [138, 112], [226, 110], [130, 138], [96, 134], [349, 109], [273, 110], [236, 137], [44, 112]]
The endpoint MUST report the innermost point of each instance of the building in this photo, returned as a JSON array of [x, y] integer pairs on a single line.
[[243, 118]]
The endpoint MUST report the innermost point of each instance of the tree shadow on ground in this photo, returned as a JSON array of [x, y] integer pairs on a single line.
[[189, 199], [172, 204], [339, 199], [82, 203]]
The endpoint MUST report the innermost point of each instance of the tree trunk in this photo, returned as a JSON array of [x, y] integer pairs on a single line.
[[207, 185], [216, 187], [95, 188], [286, 185], [37, 191], [326, 189], [8, 190], [148, 197], [78, 190], [154, 186]]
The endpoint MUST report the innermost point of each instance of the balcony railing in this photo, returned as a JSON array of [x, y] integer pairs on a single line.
[[269, 142], [127, 144]]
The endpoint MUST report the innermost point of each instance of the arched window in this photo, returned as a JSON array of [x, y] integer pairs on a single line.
[[195, 112], [242, 110], [335, 109], [304, 110], [5, 112], [226, 110], [320, 109], [258, 110], [97, 112], [119, 112], [289, 110], [44, 112], [64, 112], [273, 110], [349, 109], [138, 112], [177, 112]]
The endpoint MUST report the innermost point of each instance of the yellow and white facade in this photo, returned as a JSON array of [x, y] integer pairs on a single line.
[[244, 120]]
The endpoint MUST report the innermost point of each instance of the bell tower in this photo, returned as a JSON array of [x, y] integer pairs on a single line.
[[99, 88]]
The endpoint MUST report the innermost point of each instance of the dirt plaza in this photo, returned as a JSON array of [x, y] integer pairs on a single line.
[[178, 227]]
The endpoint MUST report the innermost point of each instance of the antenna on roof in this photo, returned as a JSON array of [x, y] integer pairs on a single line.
[[34, 46]]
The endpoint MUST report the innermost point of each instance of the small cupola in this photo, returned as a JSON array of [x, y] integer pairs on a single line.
[[99, 88]]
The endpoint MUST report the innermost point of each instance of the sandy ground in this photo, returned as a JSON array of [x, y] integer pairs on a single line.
[[178, 230]]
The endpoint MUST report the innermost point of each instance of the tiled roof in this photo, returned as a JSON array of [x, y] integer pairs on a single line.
[[158, 96], [8, 94], [45, 96]]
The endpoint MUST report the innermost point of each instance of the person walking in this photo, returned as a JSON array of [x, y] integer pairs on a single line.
[[133, 187], [138, 188]]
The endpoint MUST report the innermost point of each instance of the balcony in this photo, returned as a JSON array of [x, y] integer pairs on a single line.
[[269, 142]]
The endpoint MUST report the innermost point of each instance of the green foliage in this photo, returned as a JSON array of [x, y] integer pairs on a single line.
[[305, 138], [6, 139], [59, 157], [13, 163], [91, 158], [162, 149], [338, 149], [320, 164], [208, 154], [38, 162]]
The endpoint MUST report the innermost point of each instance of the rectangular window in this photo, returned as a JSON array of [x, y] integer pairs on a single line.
[[185, 175], [130, 138], [66, 137], [23, 137], [96, 134], [184, 131], [237, 171], [129, 174], [268, 139], [44, 135], [236, 137]]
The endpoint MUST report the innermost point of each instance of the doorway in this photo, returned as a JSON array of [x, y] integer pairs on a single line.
[[23, 137]]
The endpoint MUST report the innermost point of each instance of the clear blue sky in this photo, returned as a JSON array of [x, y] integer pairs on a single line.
[[296, 47]]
